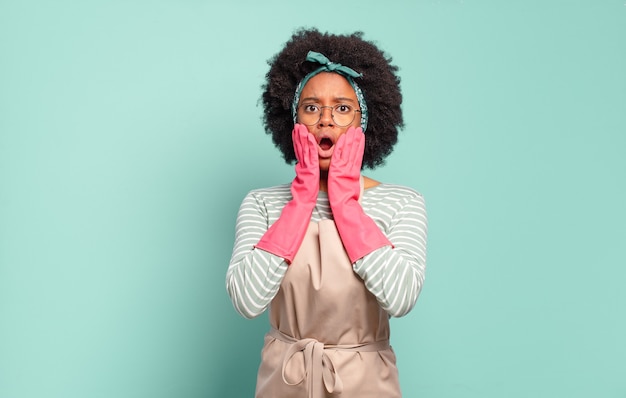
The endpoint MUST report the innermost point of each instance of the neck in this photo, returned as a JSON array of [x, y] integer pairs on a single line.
[[324, 181], [368, 182]]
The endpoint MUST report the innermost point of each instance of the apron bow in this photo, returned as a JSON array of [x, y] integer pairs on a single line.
[[317, 364]]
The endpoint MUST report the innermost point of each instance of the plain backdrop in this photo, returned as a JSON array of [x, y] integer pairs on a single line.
[[130, 131]]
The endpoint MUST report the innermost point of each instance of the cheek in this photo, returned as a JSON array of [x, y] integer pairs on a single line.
[[345, 129]]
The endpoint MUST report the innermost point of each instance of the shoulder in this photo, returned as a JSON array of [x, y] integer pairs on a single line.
[[391, 201], [277, 190], [392, 192], [267, 202], [270, 195], [392, 205]]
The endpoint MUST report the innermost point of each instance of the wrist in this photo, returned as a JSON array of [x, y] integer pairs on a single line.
[[302, 204]]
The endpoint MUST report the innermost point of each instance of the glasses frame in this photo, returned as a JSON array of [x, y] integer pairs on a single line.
[[332, 114]]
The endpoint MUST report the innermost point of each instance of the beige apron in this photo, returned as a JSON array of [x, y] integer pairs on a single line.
[[329, 336]]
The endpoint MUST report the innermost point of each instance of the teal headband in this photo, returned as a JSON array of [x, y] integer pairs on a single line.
[[328, 66]]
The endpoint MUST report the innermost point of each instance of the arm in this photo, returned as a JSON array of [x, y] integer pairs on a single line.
[[254, 276], [391, 265], [263, 251], [396, 275], [359, 233]]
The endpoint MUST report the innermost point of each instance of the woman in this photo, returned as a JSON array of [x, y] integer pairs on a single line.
[[333, 254]]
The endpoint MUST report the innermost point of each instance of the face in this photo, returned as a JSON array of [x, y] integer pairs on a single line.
[[328, 89]]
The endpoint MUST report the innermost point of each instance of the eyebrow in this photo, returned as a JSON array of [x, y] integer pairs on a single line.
[[336, 99]]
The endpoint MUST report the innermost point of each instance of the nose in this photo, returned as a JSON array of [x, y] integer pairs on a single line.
[[326, 116]]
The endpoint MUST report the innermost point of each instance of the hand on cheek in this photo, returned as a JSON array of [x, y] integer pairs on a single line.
[[284, 236], [307, 168], [359, 233], [345, 166]]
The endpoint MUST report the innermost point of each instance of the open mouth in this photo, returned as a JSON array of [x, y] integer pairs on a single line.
[[326, 143]]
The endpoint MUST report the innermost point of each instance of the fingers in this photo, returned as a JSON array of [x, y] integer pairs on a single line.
[[313, 157], [357, 147], [349, 149], [299, 138], [297, 145], [337, 155], [305, 147]]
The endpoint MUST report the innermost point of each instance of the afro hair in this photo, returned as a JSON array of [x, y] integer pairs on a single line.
[[380, 85]]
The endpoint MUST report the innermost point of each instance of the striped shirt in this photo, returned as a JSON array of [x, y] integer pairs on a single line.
[[394, 275]]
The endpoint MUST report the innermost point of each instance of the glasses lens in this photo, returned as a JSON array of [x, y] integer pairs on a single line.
[[310, 115], [343, 115]]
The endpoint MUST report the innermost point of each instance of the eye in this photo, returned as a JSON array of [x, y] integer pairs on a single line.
[[343, 108], [310, 108]]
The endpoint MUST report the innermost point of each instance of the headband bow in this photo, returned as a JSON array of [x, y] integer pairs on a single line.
[[329, 66]]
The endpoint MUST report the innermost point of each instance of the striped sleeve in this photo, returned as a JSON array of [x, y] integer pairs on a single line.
[[254, 276], [395, 276]]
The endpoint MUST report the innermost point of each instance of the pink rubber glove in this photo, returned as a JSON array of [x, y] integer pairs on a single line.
[[285, 236], [359, 233]]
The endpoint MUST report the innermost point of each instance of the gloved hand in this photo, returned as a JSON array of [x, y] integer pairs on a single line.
[[359, 233], [285, 236]]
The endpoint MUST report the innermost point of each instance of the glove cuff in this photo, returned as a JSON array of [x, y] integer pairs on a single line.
[[359, 233], [284, 237]]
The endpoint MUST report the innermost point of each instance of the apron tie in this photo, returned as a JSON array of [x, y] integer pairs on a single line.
[[317, 364]]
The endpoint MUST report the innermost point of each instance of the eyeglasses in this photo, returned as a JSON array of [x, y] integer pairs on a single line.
[[342, 114]]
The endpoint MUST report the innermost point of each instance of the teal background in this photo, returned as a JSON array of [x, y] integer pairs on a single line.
[[130, 131]]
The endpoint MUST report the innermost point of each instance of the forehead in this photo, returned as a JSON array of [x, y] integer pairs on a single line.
[[328, 86]]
